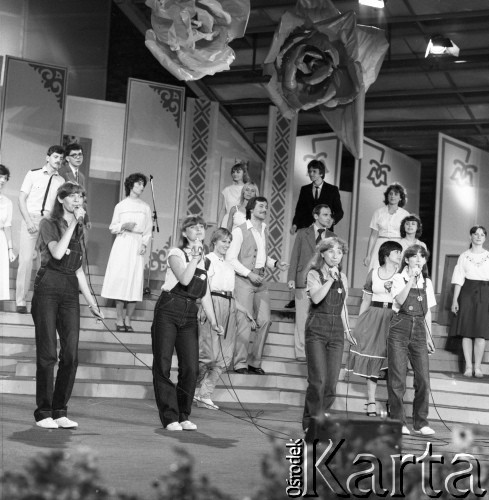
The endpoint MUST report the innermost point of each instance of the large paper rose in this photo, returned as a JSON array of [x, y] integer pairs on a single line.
[[190, 37], [320, 57]]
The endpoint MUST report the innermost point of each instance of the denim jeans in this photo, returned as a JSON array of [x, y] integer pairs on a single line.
[[325, 341], [55, 306], [175, 328], [407, 340]]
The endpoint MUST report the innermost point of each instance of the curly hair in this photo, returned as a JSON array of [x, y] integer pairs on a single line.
[[132, 179], [413, 218], [398, 188]]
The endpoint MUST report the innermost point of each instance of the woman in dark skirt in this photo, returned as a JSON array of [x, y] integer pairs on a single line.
[[471, 301]]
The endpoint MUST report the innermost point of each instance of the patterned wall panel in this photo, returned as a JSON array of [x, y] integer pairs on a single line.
[[280, 156]]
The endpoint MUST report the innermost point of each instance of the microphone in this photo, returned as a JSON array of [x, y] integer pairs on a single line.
[[150, 177], [78, 218], [197, 249], [334, 272]]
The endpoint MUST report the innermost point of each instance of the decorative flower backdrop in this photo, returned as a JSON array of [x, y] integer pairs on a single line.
[[190, 37], [320, 57]]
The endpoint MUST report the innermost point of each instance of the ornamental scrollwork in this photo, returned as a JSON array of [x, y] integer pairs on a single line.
[[171, 100], [53, 80]]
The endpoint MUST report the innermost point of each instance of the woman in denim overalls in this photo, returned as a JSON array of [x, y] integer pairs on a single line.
[[326, 327], [175, 326], [55, 306], [410, 338]]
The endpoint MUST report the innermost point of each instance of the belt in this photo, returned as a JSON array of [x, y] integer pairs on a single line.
[[385, 305], [226, 295], [259, 270]]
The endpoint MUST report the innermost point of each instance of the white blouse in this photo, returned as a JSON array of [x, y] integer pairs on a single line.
[[388, 225], [471, 266]]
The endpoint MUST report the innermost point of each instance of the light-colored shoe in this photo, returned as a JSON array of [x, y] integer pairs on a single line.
[[468, 371], [424, 431], [187, 425], [47, 423], [206, 403], [174, 426], [66, 423], [478, 372], [405, 431]]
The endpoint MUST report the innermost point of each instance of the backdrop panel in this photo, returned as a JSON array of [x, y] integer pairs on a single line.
[[379, 167], [462, 199], [278, 184], [32, 120], [153, 145]]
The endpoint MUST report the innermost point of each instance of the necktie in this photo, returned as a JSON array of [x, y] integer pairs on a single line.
[[46, 194], [320, 234], [76, 176], [316, 194]]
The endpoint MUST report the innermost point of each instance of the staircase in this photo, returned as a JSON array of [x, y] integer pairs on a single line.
[[107, 369]]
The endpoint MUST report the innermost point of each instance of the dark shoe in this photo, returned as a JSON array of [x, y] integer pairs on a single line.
[[256, 371], [371, 409], [290, 305], [129, 328], [242, 371], [120, 328], [22, 309]]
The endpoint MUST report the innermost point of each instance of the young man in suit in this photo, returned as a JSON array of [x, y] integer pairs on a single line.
[[302, 253], [316, 193], [70, 171], [249, 257]]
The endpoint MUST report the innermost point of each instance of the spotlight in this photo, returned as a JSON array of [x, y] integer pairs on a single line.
[[441, 46], [378, 4]]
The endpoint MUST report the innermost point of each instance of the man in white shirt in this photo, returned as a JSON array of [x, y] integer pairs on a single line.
[[248, 256], [302, 253], [36, 200]]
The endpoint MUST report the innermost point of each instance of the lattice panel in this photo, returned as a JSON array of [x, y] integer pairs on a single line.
[[281, 152], [198, 156]]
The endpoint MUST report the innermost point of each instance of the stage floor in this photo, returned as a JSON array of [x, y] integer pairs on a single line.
[[133, 450]]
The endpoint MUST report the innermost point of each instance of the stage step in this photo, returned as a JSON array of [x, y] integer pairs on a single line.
[[107, 369]]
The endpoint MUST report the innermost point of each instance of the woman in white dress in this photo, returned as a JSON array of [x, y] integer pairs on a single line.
[[411, 229], [386, 222], [6, 251], [125, 270], [237, 214], [470, 301], [231, 194]]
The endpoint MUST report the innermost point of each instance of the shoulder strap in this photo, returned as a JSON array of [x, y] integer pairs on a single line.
[[207, 263]]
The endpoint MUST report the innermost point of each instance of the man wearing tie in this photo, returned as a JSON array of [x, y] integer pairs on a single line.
[[36, 199], [70, 171], [302, 253], [318, 192]]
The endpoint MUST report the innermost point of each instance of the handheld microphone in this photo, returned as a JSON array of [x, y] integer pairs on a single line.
[[197, 250], [334, 272], [150, 177], [78, 218]]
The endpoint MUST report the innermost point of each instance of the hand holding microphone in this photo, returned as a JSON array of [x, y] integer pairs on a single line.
[[197, 248], [334, 272], [79, 214]]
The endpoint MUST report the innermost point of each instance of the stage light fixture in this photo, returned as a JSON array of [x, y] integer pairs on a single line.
[[378, 4], [441, 46]]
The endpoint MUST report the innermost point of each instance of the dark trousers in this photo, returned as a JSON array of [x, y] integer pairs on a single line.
[[55, 306], [175, 327], [324, 339], [407, 340]]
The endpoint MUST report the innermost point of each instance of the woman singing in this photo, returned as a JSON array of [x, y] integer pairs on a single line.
[[131, 223], [471, 301], [410, 338], [175, 326], [326, 327], [56, 307], [386, 222]]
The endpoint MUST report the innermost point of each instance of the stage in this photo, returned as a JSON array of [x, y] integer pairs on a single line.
[[133, 450]]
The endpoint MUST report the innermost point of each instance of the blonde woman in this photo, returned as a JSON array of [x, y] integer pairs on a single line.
[[237, 214]]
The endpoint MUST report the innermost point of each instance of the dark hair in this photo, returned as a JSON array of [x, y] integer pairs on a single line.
[[414, 218], [5, 171], [241, 166], [474, 229], [55, 149], [190, 220], [411, 252], [319, 165], [132, 179], [252, 203], [386, 248], [399, 189], [317, 261], [317, 209], [63, 191], [220, 234], [74, 146]]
